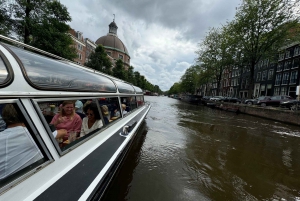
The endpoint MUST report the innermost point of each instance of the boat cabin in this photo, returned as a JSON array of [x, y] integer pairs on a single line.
[[64, 128]]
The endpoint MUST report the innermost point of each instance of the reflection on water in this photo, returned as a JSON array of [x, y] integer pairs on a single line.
[[189, 152]]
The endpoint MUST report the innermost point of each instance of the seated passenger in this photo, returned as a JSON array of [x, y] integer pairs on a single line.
[[116, 113], [67, 118], [124, 109], [78, 109], [105, 113], [92, 121], [17, 148]]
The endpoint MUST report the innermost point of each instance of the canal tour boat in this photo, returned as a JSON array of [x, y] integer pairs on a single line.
[[49, 150]]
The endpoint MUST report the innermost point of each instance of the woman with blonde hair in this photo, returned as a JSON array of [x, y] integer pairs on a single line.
[[67, 118]]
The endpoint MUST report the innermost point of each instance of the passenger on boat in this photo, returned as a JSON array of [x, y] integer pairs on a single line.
[[124, 109], [17, 148], [67, 118], [79, 109], [92, 121], [116, 113], [105, 113]]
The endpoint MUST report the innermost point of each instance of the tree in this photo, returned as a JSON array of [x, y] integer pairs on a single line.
[[216, 54], [119, 70], [5, 19], [189, 81], [42, 23], [130, 75], [175, 89], [99, 60], [261, 27]]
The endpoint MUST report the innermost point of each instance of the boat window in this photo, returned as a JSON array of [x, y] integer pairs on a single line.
[[129, 102], [45, 73], [140, 100], [19, 152], [110, 109], [138, 90], [5, 77], [70, 121], [124, 87]]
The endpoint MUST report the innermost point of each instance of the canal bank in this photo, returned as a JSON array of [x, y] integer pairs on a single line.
[[272, 113]]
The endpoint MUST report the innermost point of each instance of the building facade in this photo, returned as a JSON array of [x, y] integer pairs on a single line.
[[114, 47]]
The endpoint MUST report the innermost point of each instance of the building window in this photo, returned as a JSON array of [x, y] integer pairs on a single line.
[[296, 51], [120, 56], [281, 56], [264, 76], [79, 56], [280, 66], [295, 63], [276, 91], [258, 77], [287, 65], [288, 54], [283, 91], [278, 79], [270, 75], [294, 75], [108, 53], [79, 46], [285, 78]]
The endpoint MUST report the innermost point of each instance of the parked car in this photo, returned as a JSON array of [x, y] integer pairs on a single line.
[[232, 100], [273, 100], [291, 104], [254, 100], [217, 98]]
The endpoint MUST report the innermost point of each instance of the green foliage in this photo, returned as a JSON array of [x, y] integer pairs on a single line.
[[119, 70], [41, 23], [99, 60], [130, 75], [215, 54], [175, 89], [5, 19], [189, 79]]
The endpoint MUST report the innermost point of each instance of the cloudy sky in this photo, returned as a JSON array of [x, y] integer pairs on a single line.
[[160, 35]]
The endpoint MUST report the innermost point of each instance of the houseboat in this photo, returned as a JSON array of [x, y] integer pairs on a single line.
[[64, 128]]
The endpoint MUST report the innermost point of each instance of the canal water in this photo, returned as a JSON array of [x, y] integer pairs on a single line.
[[188, 152]]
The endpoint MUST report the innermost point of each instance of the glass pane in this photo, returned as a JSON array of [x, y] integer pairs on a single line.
[[138, 90], [129, 102], [3, 71], [18, 150], [70, 121], [124, 87], [110, 109], [51, 74], [140, 100]]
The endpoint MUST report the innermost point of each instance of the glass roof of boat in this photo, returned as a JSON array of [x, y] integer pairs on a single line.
[[138, 90], [124, 87], [45, 73]]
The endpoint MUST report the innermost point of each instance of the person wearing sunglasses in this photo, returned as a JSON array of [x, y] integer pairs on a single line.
[[92, 121]]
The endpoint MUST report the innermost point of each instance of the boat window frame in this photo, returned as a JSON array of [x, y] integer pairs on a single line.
[[9, 69], [19, 176], [51, 88], [35, 102]]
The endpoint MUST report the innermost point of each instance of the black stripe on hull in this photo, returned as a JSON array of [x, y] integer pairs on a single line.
[[75, 182]]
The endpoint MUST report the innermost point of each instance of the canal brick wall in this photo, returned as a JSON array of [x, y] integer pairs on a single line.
[[273, 113]]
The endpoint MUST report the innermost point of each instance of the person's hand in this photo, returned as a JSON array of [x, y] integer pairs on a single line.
[[61, 133]]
